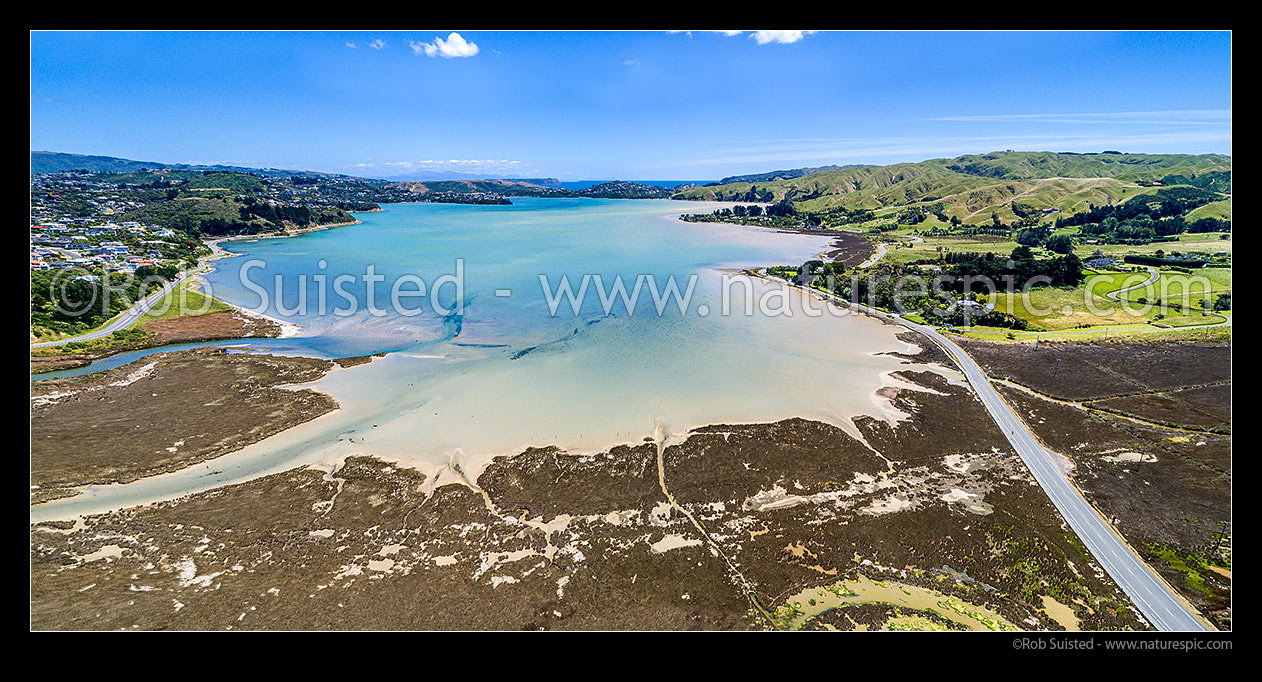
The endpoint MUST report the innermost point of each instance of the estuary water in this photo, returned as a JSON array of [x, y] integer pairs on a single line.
[[482, 365]]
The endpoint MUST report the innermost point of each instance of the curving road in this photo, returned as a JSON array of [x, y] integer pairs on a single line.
[[1155, 599], [881, 250], [880, 253], [142, 306], [1152, 277]]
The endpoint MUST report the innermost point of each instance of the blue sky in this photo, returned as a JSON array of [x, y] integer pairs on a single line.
[[636, 105]]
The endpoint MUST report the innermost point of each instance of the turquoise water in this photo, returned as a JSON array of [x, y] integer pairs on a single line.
[[503, 248], [457, 390], [252, 345]]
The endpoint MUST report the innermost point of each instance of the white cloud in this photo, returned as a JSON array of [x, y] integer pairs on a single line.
[[351, 45], [631, 62], [783, 37], [728, 33], [378, 44], [454, 46]]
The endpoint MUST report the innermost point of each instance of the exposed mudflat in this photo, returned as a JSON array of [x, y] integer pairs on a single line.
[[849, 249], [162, 413], [718, 531]]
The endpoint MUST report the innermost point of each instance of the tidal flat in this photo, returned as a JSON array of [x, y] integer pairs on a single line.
[[721, 529]]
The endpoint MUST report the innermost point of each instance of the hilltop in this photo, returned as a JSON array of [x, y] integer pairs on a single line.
[[786, 174], [618, 189], [974, 186], [58, 162]]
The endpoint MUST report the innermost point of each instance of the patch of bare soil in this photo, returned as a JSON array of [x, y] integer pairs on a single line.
[[162, 413], [565, 541]]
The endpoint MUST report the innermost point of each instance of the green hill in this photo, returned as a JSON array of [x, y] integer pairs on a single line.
[[971, 187], [1217, 209], [784, 174], [57, 162], [1133, 167], [226, 215], [501, 187]]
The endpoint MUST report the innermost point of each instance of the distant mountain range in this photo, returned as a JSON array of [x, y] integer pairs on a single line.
[[970, 187], [618, 189], [56, 162], [786, 174], [436, 176]]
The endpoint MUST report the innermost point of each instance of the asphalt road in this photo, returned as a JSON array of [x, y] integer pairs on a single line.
[[139, 308], [1152, 277], [1155, 599]]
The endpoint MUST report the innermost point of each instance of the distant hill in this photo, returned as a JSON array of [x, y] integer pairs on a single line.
[[786, 174], [57, 162], [618, 189], [438, 176], [503, 187], [621, 189], [973, 186]]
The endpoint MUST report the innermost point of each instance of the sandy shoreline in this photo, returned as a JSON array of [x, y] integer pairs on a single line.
[[288, 329]]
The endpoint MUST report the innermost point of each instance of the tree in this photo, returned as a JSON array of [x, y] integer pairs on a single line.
[[1059, 243]]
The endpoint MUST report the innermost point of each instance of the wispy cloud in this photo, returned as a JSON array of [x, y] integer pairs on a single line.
[[761, 37], [895, 149], [351, 45], [453, 47], [631, 62], [783, 37], [1174, 117], [485, 166], [378, 44]]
